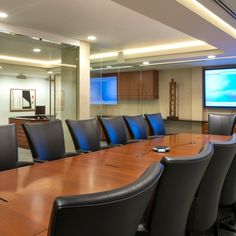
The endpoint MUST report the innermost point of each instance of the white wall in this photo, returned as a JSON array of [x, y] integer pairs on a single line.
[[8, 82]]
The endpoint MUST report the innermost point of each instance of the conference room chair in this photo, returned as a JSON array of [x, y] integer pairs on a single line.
[[221, 124], [111, 213], [85, 134], [137, 127], [204, 210], [115, 130], [156, 123], [168, 211], [9, 148], [46, 140], [227, 208]]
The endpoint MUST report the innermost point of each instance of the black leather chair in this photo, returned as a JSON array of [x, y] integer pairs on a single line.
[[203, 214], [221, 124], [155, 123], [9, 148], [115, 130], [46, 140], [112, 213], [136, 126], [168, 211], [85, 134], [227, 208]]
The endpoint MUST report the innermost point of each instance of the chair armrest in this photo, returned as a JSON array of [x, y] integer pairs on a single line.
[[71, 154], [24, 163], [39, 161]]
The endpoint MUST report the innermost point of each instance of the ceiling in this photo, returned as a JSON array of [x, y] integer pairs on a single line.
[[125, 24]]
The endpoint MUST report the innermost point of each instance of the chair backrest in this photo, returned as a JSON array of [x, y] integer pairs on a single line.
[[46, 139], [114, 129], [203, 214], [228, 193], [176, 189], [221, 124], [112, 213], [85, 134], [136, 126], [156, 124], [8, 147]]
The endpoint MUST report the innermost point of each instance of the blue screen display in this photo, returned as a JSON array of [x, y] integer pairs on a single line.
[[220, 87], [103, 90]]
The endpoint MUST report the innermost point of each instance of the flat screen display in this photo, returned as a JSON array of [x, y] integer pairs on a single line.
[[103, 90], [219, 87]]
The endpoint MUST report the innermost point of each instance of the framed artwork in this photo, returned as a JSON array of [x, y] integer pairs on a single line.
[[22, 99]]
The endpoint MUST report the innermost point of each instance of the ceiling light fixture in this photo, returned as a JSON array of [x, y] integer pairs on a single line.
[[146, 63], [0, 67], [108, 66], [209, 16], [91, 38], [50, 72], [37, 50], [211, 56], [3, 14], [112, 68]]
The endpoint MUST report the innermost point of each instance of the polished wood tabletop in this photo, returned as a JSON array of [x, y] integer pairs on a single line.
[[27, 194]]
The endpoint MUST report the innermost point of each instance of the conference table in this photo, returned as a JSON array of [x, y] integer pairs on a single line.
[[27, 193]]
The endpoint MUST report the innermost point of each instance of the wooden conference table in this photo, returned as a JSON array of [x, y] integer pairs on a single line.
[[27, 194]]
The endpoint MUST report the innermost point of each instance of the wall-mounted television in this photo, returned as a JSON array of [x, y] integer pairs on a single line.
[[219, 87], [103, 90]]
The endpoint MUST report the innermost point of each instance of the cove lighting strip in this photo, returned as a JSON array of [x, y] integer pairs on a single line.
[[209, 16], [157, 48], [187, 61], [112, 68], [165, 47], [104, 55], [34, 61]]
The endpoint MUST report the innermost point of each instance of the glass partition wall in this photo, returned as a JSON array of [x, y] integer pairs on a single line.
[[35, 72], [137, 86]]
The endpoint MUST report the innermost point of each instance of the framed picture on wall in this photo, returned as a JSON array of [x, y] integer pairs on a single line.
[[22, 99]]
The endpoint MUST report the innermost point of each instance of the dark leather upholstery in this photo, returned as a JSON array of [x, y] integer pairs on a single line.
[[136, 126], [114, 129], [203, 214], [156, 123], [168, 213], [85, 134], [221, 124], [46, 140], [9, 148], [112, 213]]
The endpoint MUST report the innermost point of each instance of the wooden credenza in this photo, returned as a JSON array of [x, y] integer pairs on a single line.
[[18, 121]]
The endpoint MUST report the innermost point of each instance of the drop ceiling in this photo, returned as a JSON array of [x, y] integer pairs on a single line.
[[124, 24]]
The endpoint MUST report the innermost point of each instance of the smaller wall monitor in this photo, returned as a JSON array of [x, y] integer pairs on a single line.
[[103, 90]]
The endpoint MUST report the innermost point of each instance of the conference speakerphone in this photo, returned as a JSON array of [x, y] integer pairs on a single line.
[[161, 149]]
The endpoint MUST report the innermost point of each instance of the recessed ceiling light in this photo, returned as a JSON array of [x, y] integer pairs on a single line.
[[0, 67], [49, 72], [3, 14], [108, 66], [211, 56], [146, 63], [91, 38], [37, 50]]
